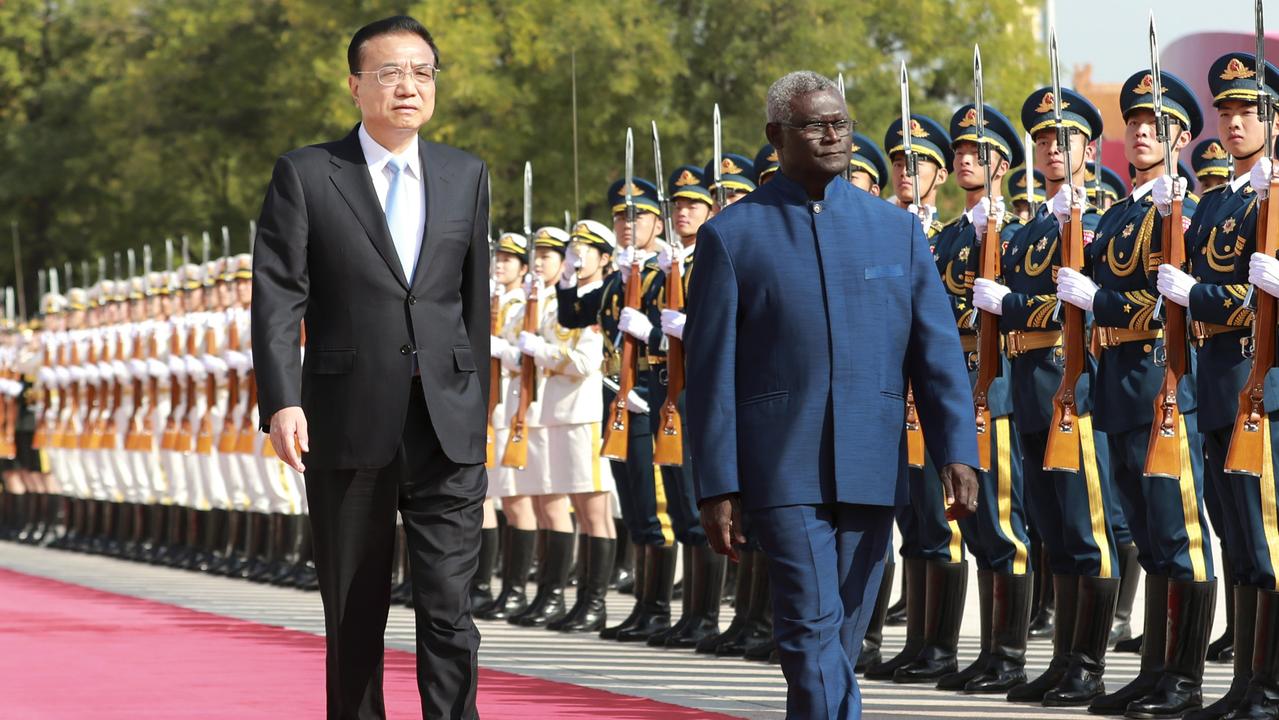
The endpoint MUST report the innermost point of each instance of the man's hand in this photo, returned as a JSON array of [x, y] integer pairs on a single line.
[[989, 295], [1076, 288], [1175, 284], [959, 483], [722, 521], [1167, 189], [983, 212], [1263, 271], [673, 323], [289, 436], [635, 323]]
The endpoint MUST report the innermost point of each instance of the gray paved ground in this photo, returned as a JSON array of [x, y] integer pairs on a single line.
[[730, 686]]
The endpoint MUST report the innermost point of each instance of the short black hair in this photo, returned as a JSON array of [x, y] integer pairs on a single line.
[[387, 26]]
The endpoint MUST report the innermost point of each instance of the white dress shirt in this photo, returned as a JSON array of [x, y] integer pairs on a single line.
[[376, 157]]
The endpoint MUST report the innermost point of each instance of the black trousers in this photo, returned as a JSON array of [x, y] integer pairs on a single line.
[[353, 518]]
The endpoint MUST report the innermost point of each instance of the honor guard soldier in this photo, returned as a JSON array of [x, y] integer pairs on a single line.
[[736, 175], [1018, 195], [1111, 188], [766, 163], [931, 545], [1165, 516], [867, 167], [636, 488], [1211, 163], [996, 534], [1068, 506], [1223, 240], [588, 261]]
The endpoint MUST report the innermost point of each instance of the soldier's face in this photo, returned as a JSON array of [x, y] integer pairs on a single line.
[[407, 105], [1240, 128], [194, 299], [224, 294], [1208, 182], [1141, 139], [646, 229], [591, 262], [930, 176], [1021, 208], [689, 216], [244, 291], [863, 181], [1051, 161], [547, 263], [507, 268]]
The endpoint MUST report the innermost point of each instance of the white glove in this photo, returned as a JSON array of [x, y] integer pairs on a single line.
[[215, 365], [989, 295], [528, 285], [1061, 202], [64, 375], [237, 360], [636, 404], [924, 213], [492, 286], [195, 368], [106, 371], [1263, 271], [157, 368], [47, 376], [90, 372], [498, 346], [120, 370], [664, 259], [624, 258], [1260, 176], [982, 214], [673, 323], [77, 373], [177, 367], [635, 323], [138, 368], [1166, 190], [531, 343], [568, 274], [1076, 288], [1175, 285]]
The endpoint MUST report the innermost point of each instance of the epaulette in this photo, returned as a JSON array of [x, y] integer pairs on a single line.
[[1010, 218], [953, 221], [1212, 189], [1192, 196]]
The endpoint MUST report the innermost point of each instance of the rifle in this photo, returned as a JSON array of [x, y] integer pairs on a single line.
[[914, 432], [721, 195], [495, 378], [988, 357], [668, 443], [1064, 446], [204, 438], [1248, 447], [516, 453], [617, 430], [1163, 454]]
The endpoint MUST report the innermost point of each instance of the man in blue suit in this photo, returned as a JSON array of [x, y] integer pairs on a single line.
[[812, 306]]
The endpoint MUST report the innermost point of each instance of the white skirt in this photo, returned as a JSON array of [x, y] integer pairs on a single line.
[[575, 462]]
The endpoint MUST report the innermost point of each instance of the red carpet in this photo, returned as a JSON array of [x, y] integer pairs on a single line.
[[68, 651]]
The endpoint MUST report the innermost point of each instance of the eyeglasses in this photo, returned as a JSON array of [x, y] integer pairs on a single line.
[[817, 130], [391, 75]]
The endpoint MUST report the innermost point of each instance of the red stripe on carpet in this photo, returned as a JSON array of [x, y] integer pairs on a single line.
[[68, 651]]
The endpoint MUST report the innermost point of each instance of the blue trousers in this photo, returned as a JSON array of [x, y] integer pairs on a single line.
[[1248, 505], [926, 533], [636, 491], [825, 563], [996, 534]]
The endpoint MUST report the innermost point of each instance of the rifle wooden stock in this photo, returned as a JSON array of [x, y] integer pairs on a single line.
[[1064, 443], [229, 440], [495, 381], [1163, 453], [244, 440], [988, 359], [914, 433], [169, 440], [145, 430], [617, 430], [515, 454], [204, 436], [1247, 453], [186, 429], [668, 444]]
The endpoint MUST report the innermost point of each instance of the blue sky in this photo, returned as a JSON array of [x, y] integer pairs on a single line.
[[1111, 34]]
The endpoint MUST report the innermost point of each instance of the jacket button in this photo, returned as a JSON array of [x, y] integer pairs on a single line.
[[412, 300], [405, 349]]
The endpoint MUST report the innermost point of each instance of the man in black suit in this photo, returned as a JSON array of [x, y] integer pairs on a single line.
[[379, 242]]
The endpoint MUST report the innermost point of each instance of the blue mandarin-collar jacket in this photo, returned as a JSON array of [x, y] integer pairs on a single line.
[[806, 320]]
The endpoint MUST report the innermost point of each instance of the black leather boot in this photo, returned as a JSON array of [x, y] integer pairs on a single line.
[[707, 588], [1261, 700], [580, 570], [195, 523], [659, 582], [1065, 593], [1129, 574], [985, 599], [589, 614], [745, 566], [623, 579], [683, 591], [757, 627], [896, 614], [1005, 668], [1094, 617], [640, 553], [230, 552], [552, 577], [872, 644], [944, 611], [274, 552], [1245, 598], [251, 555], [915, 572], [306, 577], [482, 584], [1222, 650], [517, 557], [1152, 653], [294, 539], [1179, 690], [211, 537], [1045, 613]]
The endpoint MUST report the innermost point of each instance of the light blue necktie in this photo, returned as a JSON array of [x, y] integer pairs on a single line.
[[399, 216]]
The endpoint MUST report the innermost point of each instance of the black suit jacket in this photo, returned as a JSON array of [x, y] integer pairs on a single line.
[[324, 253]]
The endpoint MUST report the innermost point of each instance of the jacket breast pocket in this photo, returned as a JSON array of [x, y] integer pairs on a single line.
[[877, 272], [331, 362], [462, 359]]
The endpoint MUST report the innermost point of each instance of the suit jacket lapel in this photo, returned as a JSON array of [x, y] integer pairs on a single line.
[[351, 177], [437, 188]]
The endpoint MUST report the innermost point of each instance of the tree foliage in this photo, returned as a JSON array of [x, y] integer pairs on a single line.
[[127, 121]]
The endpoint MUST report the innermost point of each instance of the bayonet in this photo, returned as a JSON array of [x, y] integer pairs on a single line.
[[908, 148], [70, 276], [53, 281], [253, 235], [186, 250], [528, 206], [1161, 125], [1063, 132], [979, 104], [1030, 173], [226, 242], [146, 269], [568, 222], [668, 219], [132, 260], [843, 95], [204, 250], [721, 197]]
